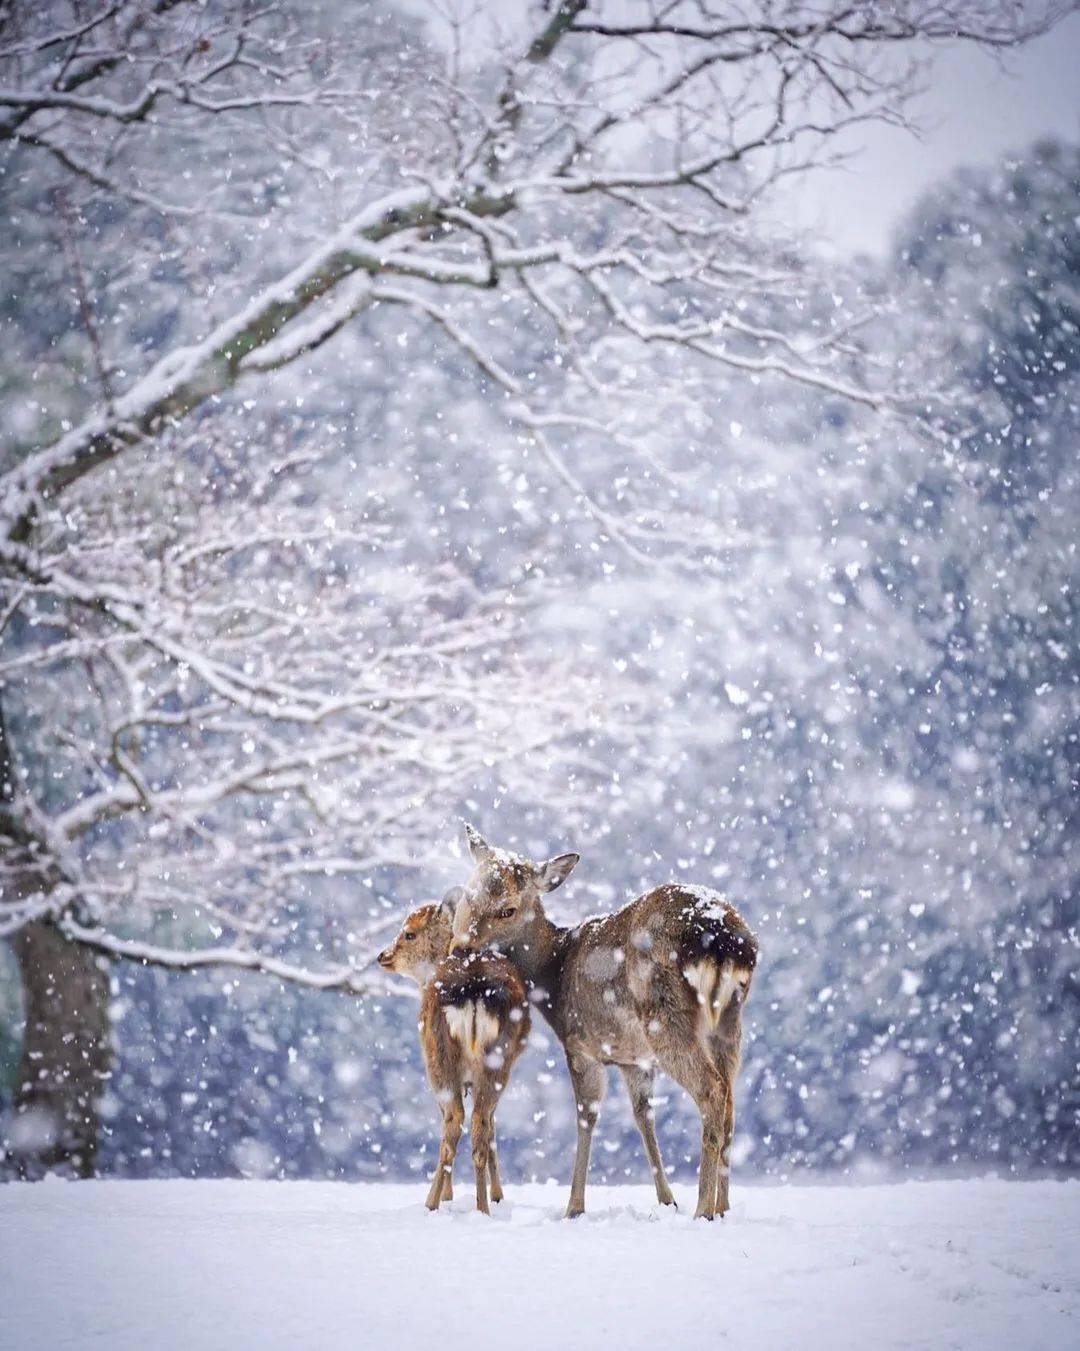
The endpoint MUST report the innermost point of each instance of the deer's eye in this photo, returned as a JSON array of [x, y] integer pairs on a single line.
[[506, 913], [409, 938]]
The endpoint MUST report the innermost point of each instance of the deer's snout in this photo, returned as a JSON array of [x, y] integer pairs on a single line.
[[386, 957], [464, 936]]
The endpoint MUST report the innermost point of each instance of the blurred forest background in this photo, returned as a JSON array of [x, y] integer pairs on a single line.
[[815, 647]]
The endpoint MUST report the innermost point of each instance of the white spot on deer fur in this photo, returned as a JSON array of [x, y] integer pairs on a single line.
[[601, 964]]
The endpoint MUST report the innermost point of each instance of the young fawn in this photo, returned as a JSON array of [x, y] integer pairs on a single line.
[[474, 1022], [660, 984]]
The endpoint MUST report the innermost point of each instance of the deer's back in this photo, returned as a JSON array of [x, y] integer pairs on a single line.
[[652, 957]]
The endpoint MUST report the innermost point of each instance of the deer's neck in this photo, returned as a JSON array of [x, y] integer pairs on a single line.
[[541, 958]]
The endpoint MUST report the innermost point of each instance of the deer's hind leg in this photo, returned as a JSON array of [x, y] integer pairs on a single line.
[[639, 1085], [725, 1048], [493, 1169], [485, 1099], [712, 1103], [442, 1186], [680, 1052], [723, 1172]]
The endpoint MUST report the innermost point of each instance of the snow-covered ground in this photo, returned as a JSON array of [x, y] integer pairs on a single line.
[[193, 1265]]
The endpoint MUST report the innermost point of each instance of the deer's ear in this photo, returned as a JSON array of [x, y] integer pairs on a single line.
[[449, 902], [555, 871], [478, 846]]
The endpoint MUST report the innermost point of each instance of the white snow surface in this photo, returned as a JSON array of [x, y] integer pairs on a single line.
[[193, 1265]]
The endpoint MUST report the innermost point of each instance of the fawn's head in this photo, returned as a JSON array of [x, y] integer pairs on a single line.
[[502, 897], [424, 940]]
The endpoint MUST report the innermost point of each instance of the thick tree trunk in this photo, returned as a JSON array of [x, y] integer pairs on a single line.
[[66, 1051], [66, 1055]]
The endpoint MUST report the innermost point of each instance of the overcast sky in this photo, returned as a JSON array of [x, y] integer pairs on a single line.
[[973, 113]]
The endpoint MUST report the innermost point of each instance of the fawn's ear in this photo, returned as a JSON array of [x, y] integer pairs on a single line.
[[556, 870], [449, 902], [478, 846]]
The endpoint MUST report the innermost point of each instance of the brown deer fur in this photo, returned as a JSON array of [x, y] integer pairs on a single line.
[[474, 1022], [660, 984]]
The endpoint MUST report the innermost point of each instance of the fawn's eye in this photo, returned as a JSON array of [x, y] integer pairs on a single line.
[[409, 938], [506, 913]]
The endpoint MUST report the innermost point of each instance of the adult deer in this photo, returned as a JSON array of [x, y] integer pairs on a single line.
[[474, 1022], [660, 984]]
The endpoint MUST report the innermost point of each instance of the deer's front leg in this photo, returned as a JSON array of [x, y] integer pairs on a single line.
[[442, 1187], [587, 1077]]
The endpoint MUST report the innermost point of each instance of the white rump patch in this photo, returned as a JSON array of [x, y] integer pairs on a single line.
[[472, 1025], [715, 986]]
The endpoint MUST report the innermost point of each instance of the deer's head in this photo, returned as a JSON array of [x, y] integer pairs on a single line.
[[502, 897], [424, 940]]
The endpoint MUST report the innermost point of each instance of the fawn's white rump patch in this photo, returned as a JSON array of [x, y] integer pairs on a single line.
[[472, 1025]]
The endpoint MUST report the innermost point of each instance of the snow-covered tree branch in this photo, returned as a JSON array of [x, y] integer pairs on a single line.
[[259, 699], [654, 139]]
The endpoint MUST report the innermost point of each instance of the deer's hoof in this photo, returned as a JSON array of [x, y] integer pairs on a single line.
[[572, 1212]]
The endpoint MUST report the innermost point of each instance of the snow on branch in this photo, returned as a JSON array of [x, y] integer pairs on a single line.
[[344, 979], [535, 158], [252, 701]]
